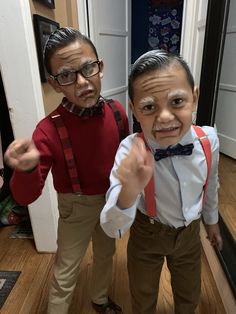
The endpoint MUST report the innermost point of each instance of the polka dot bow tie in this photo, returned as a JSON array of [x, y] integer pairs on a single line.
[[173, 151]]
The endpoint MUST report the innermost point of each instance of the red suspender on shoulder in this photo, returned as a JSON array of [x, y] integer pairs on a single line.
[[118, 118], [67, 149], [150, 190], [206, 146]]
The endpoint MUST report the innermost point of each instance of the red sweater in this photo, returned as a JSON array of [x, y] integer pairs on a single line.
[[94, 143]]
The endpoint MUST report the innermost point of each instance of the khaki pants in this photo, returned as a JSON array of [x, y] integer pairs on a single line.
[[147, 247], [79, 221]]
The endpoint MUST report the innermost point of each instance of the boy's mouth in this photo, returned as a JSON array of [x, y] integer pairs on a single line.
[[165, 129]]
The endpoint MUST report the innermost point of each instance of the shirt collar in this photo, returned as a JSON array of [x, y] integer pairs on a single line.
[[97, 109]]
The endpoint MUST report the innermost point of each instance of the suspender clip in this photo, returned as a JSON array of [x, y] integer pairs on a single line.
[[55, 116], [151, 220]]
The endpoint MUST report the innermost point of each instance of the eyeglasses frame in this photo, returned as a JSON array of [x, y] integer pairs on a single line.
[[55, 77]]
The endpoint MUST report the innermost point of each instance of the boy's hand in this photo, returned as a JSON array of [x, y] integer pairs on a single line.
[[214, 236], [134, 173], [22, 155]]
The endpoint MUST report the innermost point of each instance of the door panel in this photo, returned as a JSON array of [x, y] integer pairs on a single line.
[[193, 34], [192, 42], [226, 102], [109, 27]]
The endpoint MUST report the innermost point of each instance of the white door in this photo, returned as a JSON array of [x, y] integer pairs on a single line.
[[226, 104], [193, 33], [107, 22]]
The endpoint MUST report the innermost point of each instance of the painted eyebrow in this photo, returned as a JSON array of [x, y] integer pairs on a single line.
[[146, 101], [178, 93], [64, 69]]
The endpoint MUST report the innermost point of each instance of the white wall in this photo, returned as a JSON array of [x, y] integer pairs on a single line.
[[20, 74]]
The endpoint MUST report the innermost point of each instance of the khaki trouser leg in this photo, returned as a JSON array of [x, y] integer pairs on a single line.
[[103, 251], [79, 216], [148, 244]]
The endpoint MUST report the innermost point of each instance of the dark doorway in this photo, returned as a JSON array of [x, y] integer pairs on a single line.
[[6, 135], [217, 16]]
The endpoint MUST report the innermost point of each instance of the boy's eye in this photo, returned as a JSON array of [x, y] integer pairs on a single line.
[[177, 102], [87, 69], [148, 109], [65, 74]]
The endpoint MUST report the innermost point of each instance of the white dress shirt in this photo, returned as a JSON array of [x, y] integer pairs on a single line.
[[179, 182]]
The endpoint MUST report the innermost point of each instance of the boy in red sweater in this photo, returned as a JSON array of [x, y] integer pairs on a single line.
[[84, 124]]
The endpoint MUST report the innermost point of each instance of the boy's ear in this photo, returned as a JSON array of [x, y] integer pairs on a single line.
[[131, 106], [101, 67], [196, 93], [54, 85]]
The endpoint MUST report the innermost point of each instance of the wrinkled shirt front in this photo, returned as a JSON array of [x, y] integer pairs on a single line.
[[179, 182]]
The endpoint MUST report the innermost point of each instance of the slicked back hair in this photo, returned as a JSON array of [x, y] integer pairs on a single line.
[[62, 37], [156, 60]]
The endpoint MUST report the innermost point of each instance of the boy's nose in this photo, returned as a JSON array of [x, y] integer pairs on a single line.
[[165, 115], [80, 79]]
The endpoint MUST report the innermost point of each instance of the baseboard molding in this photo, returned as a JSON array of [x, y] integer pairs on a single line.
[[227, 145], [219, 276]]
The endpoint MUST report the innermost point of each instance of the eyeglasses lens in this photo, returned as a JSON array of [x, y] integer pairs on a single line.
[[86, 71], [90, 69]]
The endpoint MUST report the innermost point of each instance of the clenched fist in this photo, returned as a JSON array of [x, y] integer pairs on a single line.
[[22, 155]]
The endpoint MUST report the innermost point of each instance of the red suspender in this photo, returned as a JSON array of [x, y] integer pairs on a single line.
[[149, 189], [206, 146], [68, 153], [118, 118]]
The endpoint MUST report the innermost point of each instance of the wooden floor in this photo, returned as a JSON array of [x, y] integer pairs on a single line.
[[29, 296], [227, 192]]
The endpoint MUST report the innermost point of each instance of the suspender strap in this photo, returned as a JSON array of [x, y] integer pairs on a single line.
[[149, 192], [118, 118], [67, 149], [206, 146]]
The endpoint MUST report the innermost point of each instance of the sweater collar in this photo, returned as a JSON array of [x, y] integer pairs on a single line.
[[95, 110]]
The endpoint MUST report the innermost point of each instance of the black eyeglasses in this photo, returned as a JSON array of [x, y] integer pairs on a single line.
[[69, 77]]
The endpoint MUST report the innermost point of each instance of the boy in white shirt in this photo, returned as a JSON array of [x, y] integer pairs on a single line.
[[165, 221]]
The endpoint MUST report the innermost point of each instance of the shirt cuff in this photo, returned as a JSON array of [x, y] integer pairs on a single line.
[[115, 221], [210, 217]]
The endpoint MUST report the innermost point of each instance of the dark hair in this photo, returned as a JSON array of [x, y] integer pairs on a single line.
[[156, 60], [62, 37]]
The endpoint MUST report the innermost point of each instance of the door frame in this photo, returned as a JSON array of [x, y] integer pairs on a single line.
[[82, 6]]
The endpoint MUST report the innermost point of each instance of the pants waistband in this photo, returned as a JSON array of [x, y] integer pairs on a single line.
[[154, 222]]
